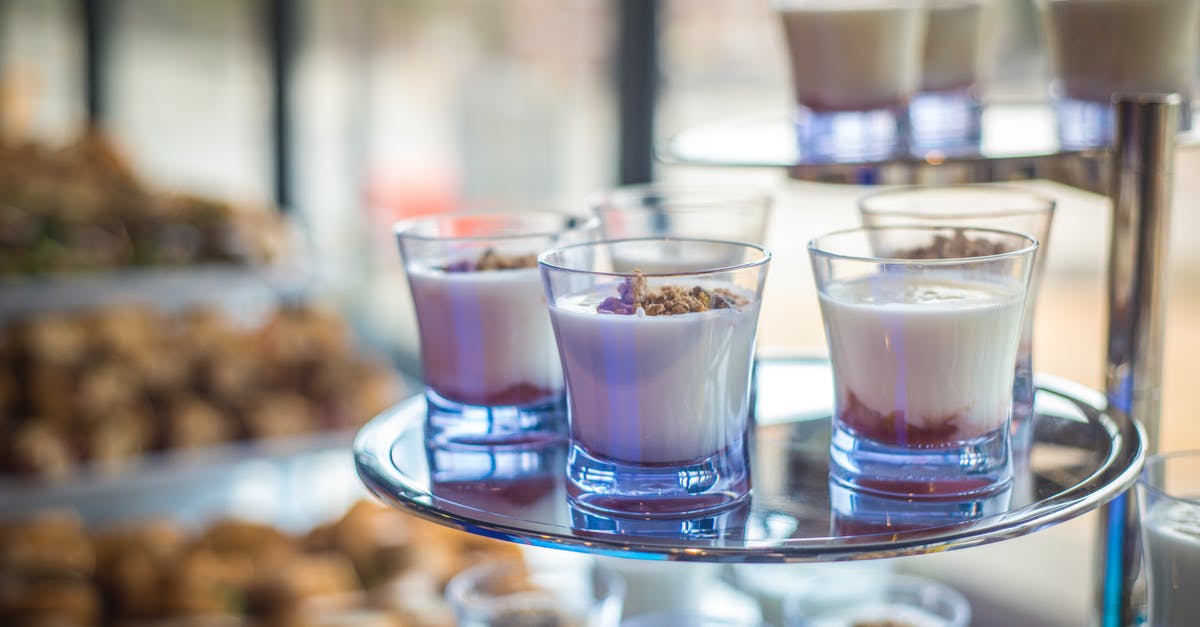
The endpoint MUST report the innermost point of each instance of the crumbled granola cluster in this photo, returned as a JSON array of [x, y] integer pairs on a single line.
[[958, 246], [492, 260], [668, 300]]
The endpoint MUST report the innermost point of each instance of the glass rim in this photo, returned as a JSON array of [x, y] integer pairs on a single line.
[[574, 222], [721, 195], [943, 592], [459, 588], [1156, 462], [1029, 248], [761, 261], [1046, 202]]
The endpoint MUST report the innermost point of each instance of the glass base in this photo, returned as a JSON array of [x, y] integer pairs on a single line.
[[711, 484], [704, 526], [972, 468], [949, 122], [1086, 124], [448, 422], [858, 135], [856, 512]]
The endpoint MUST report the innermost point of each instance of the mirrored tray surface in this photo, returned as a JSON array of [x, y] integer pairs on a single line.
[[1078, 457]]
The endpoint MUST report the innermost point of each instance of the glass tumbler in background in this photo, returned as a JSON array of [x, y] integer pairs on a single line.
[[506, 594], [657, 367], [488, 357], [1169, 497], [887, 599], [946, 114], [725, 212], [855, 65], [1099, 48], [923, 353], [984, 206]]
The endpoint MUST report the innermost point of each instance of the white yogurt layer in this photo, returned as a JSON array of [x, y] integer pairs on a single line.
[[936, 348], [1172, 534], [952, 47], [854, 56], [483, 334], [1102, 47], [655, 389]]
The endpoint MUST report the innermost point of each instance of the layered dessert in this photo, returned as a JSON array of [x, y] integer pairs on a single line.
[[854, 55], [952, 58], [657, 375], [923, 362], [485, 336], [1172, 534], [1102, 47]]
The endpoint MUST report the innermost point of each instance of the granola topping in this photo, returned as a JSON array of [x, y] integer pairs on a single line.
[[955, 247], [667, 300], [492, 260]]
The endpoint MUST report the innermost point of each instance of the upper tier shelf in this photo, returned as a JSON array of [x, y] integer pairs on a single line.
[[1081, 456], [1019, 141]]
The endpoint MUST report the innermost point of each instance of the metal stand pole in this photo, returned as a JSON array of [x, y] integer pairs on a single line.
[[1143, 157]]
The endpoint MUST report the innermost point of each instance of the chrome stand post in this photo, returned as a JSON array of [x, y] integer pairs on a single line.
[[1142, 160]]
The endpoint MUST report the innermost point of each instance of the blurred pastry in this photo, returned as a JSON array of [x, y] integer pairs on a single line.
[[49, 601], [52, 542], [112, 384], [39, 449], [194, 423], [279, 415]]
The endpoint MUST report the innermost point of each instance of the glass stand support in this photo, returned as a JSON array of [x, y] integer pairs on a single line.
[[1142, 166]]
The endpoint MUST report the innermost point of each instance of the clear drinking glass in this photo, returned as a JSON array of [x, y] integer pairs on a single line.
[[985, 206], [726, 212], [947, 113], [923, 353], [506, 594], [1169, 496], [489, 361], [657, 367], [888, 599], [1098, 48], [855, 65]]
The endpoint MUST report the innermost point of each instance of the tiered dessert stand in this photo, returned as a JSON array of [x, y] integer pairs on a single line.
[[1085, 451]]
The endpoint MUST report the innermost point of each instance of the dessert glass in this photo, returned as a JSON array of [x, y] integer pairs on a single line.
[[1169, 497], [490, 365], [887, 599], [657, 367], [855, 65], [1100, 48], [727, 212], [923, 353], [987, 206], [946, 113], [506, 594]]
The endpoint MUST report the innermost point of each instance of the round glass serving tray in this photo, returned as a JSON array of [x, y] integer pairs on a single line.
[[1017, 141], [1077, 456]]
